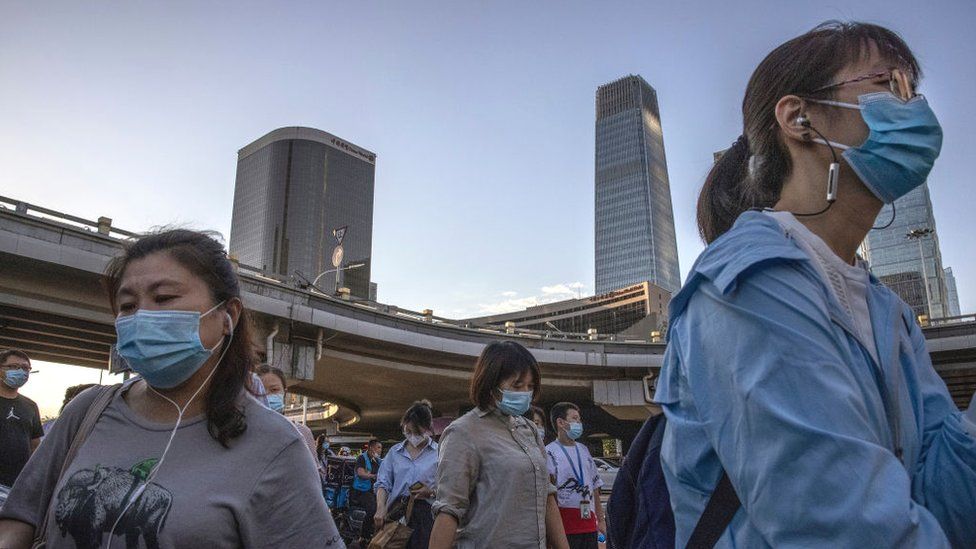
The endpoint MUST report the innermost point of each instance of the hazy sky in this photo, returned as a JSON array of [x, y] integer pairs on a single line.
[[481, 115]]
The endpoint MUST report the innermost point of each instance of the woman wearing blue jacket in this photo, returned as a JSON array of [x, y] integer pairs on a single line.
[[789, 367]]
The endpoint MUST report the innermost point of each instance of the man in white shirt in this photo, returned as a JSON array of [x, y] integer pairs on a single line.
[[575, 475]]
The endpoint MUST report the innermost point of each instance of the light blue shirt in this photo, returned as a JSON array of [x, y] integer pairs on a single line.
[[398, 471], [824, 445]]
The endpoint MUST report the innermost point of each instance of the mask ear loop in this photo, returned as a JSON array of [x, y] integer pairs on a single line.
[[179, 419]]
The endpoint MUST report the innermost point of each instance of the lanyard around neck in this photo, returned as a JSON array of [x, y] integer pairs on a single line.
[[579, 460]]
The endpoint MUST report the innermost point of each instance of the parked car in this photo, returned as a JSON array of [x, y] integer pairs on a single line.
[[607, 469]]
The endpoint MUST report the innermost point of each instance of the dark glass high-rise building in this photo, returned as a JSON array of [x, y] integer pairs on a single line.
[[952, 293], [897, 260], [295, 186], [635, 237]]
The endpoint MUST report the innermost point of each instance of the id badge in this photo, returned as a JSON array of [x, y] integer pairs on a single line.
[[585, 509]]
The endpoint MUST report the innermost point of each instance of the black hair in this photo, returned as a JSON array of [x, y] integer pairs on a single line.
[[798, 67], [205, 257], [420, 414], [499, 361], [321, 443], [559, 411], [264, 369], [71, 392], [534, 411], [7, 353]]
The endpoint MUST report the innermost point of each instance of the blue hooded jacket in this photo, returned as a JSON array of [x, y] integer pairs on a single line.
[[825, 446]]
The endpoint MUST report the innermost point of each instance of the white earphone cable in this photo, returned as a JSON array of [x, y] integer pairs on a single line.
[[179, 419]]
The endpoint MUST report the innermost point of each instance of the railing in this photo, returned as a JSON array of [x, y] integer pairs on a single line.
[[103, 226], [427, 316], [949, 320]]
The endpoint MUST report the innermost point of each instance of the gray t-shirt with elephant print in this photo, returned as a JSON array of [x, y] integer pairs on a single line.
[[263, 491]]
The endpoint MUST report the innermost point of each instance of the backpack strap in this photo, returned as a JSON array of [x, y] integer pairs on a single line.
[[106, 393], [721, 508]]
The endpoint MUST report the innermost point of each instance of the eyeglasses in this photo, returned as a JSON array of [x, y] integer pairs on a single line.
[[900, 84]]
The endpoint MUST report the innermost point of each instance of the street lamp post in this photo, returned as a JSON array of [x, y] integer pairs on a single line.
[[338, 272], [917, 235]]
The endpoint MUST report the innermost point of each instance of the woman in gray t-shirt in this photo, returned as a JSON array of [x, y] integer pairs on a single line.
[[183, 455]]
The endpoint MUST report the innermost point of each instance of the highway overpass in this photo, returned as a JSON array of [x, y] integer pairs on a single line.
[[370, 359]]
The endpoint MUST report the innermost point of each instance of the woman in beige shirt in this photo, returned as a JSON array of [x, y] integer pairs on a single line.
[[493, 483]]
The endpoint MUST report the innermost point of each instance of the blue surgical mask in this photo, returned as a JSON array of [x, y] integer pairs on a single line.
[[15, 379], [163, 346], [515, 403], [276, 402], [905, 139], [542, 433], [575, 431]]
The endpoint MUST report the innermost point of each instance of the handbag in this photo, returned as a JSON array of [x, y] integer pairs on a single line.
[[102, 400], [395, 533]]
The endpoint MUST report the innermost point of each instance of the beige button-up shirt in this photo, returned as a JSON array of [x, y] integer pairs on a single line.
[[493, 478]]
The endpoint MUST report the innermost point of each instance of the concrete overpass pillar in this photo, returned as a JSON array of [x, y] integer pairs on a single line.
[[282, 349]]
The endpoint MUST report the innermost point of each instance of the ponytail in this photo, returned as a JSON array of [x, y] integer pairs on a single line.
[[723, 196]]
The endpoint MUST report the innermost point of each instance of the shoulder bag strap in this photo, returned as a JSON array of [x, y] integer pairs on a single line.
[[409, 513], [721, 508], [102, 400]]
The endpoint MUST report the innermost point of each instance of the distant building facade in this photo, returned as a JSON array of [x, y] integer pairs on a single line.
[[891, 255], [634, 220], [909, 287], [952, 293], [294, 187], [635, 310]]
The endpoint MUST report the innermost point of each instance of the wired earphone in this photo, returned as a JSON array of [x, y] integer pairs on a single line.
[[833, 173]]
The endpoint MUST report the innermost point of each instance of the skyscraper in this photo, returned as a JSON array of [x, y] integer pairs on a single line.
[[295, 187], [896, 259], [635, 237], [953, 295]]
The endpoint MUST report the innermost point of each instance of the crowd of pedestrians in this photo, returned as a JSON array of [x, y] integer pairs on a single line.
[[800, 404]]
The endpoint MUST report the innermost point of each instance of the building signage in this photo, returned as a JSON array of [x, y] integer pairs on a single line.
[[353, 150]]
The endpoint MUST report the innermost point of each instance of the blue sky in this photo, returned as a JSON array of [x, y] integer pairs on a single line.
[[481, 115]]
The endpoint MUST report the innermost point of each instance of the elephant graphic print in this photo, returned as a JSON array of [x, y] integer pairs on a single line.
[[91, 500], [260, 490]]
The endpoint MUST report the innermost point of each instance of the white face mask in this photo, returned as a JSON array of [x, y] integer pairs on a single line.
[[416, 440]]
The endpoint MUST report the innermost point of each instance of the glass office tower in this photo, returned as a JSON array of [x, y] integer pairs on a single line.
[[952, 293], [635, 237], [295, 186], [896, 259]]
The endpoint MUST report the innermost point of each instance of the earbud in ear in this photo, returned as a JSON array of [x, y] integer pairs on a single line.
[[803, 121]]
